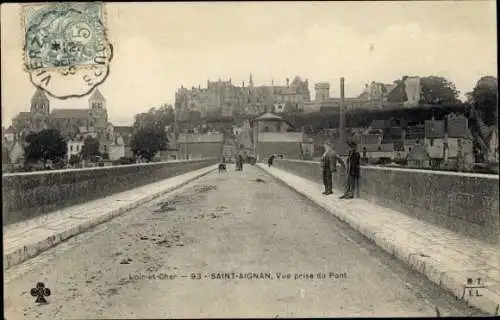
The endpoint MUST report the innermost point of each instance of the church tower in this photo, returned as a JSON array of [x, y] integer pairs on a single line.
[[39, 111], [98, 112]]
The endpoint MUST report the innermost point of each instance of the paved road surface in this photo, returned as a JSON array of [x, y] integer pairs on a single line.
[[222, 223]]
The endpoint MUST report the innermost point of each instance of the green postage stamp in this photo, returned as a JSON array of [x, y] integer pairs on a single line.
[[66, 50]]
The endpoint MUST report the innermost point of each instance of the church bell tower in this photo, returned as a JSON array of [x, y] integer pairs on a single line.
[[98, 112], [39, 111]]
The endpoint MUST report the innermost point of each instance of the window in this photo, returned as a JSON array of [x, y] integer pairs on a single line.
[[431, 141], [71, 148]]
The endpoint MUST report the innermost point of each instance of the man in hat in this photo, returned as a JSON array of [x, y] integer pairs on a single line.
[[328, 165], [353, 170]]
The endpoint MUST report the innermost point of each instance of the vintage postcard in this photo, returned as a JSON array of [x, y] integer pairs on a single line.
[[250, 159]]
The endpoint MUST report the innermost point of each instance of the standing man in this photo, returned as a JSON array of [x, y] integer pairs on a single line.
[[270, 160], [328, 166], [237, 163], [353, 171], [240, 159]]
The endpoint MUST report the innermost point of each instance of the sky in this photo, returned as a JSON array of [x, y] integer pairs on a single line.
[[160, 46]]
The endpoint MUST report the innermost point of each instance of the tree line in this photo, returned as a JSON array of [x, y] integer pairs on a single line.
[[439, 97]]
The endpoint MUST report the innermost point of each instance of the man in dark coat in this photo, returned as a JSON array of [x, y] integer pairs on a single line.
[[270, 160], [240, 160], [328, 166], [353, 171]]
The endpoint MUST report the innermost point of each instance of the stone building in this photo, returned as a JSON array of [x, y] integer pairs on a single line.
[[194, 146], [273, 135], [226, 99], [287, 145]]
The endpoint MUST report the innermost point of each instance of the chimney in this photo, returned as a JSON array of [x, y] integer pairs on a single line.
[[287, 82], [243, 84]]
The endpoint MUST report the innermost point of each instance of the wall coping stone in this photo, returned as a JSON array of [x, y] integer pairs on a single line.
[[43, 172]]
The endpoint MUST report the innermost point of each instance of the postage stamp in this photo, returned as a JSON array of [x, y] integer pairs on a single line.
[[66, 51]]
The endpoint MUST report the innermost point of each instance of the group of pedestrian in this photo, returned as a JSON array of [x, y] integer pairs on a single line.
[[328, 165]]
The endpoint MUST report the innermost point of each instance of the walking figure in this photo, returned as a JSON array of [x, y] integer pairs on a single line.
[[240, 160], [353, 170], [270, 160]]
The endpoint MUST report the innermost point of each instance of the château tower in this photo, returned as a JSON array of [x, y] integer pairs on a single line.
[[39, 111]]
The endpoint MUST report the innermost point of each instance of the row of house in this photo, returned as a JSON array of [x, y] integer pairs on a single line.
[[446, 142]]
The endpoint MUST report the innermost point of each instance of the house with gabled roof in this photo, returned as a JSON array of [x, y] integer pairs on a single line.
[[291, 145], [193, 146]]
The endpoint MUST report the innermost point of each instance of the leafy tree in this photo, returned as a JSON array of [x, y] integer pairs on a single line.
[[157, 118], [5, 155], [437, 90], [46, 145], [484, 97], [90, 148], [146, 142]]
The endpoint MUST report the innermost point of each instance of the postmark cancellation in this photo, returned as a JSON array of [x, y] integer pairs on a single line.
[[66, 50]]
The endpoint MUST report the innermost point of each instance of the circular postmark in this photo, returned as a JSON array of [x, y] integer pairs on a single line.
[[66, 52]]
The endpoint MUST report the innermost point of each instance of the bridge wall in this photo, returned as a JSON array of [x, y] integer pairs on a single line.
[[463, 202], [30, 194]]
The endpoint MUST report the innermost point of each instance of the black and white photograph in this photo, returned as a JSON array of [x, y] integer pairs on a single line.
[[237, 159]]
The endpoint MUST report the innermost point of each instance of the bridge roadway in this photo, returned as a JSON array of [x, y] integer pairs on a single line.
[[242, 222]]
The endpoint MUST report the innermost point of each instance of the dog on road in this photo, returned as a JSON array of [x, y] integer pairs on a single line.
[[222, 167]]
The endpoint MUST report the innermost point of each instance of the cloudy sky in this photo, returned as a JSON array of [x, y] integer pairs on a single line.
[[160, 46]]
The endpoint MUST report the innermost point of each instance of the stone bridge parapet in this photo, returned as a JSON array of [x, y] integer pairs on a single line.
[[462, 202], [30, 194]]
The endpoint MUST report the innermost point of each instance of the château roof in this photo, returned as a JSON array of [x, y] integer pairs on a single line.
[[39, 96], [70, 113], [97, 96]]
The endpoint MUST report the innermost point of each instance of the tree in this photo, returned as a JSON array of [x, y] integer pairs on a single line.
[[90, 148], [146, 142], [484, 98], [46, 145], [437, 90], [74, 160], [5, 155], [157, 118]]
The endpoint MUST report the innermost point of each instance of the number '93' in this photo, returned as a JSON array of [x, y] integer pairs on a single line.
[[196, 276]]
